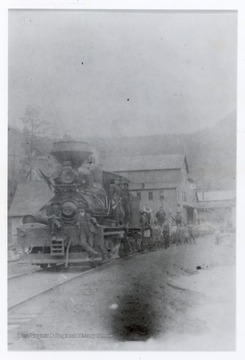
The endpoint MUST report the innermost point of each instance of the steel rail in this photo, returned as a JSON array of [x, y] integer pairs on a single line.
[[10, 308], [23, 274]]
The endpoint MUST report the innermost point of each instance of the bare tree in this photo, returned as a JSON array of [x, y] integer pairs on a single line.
[[35, 133]]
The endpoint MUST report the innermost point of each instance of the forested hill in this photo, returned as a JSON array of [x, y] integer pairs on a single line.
[[211, 153]]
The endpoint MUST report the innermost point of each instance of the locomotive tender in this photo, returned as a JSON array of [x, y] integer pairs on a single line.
[[89, 218]]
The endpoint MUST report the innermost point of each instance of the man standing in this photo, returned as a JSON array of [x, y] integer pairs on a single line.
[[217, 235], [87, 233], [145, 226], [179, 228], [160, 216], [116, 197], [95, 172], [116, 191], [148, 212], [191, 232], [178, 219], [166, 233], [125, 200], [157, 234]]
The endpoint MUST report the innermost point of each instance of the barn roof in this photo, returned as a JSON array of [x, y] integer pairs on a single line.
[[29, 198], [216, 196], [149, 162]]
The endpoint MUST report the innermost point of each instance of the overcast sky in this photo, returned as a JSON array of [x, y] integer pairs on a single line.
[[122, 73]]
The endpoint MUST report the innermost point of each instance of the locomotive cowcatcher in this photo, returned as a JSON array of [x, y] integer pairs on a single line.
[[91, 217]]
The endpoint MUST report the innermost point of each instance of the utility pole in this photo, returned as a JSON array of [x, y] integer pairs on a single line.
[[12, 173], [162, 198], [31, 147]]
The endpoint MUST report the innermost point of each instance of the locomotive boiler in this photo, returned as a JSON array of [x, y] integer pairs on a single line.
[[90, 218]]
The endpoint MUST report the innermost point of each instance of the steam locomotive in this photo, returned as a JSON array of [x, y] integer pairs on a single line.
[[91, 217]]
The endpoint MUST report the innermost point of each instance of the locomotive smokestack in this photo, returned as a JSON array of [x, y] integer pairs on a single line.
[[74, 151]]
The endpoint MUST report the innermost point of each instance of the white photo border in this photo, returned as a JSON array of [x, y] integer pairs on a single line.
[[171, 5]]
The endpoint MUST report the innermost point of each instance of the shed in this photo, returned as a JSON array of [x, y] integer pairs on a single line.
[[29, 198], [217, 206]]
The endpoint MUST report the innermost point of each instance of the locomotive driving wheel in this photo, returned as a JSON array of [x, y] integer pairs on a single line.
[[53, 266], [44, 266]]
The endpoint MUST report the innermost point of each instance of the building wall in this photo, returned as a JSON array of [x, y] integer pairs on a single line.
[[223, 215], [15, 221], [152, 176], [172, 184], [154, 200], [186, 194]]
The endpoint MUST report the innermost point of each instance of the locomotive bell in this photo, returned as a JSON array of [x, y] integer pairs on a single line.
[[76, 152]]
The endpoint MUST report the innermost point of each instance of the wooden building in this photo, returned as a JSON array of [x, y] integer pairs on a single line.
[[160, 180], [217, 207], [29, 198]]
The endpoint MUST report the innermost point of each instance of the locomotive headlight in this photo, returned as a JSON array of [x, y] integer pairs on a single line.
[[68, 175], [69, 208]]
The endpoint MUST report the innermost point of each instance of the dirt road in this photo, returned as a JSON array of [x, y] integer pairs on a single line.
[[182, 298]]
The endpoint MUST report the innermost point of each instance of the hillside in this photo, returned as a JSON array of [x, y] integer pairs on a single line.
[[211, 153]]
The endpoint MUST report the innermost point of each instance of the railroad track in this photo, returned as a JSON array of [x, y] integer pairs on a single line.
[[41, 282], [28, 273], [21, 291], [22, 274], [37, 285], [18, 313]]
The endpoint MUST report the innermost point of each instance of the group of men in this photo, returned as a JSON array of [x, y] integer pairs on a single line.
[[162, 227], [167, 227]]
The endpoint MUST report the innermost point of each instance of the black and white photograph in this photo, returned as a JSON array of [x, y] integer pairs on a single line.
[[122, 137]]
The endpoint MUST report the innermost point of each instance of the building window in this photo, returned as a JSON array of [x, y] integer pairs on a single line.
[[150, 195], [139, 195], [162, 195], [143, 185]]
